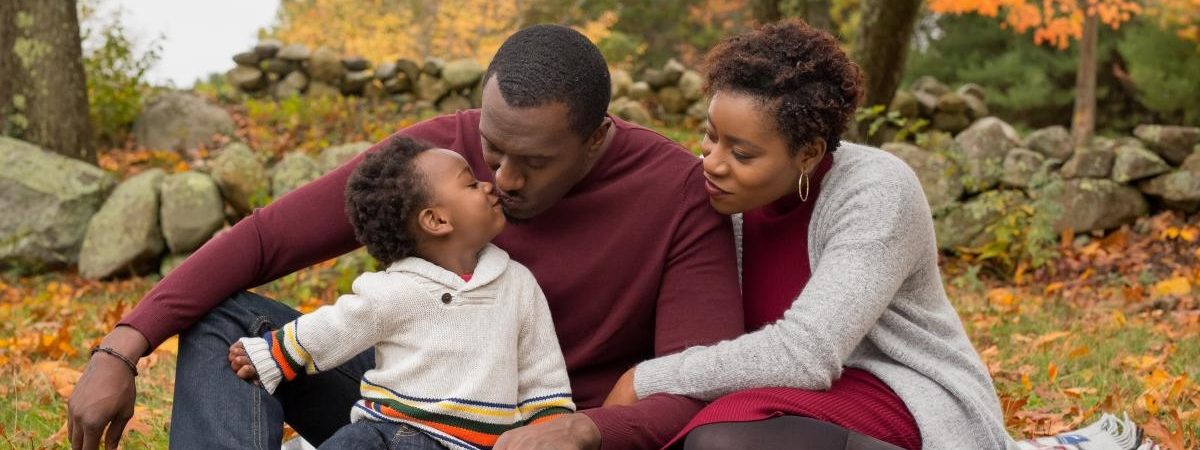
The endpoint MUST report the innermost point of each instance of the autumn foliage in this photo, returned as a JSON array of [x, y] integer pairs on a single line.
[[1053, 22]]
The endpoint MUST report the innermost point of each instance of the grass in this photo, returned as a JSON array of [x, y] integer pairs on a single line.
[[1062, 344]]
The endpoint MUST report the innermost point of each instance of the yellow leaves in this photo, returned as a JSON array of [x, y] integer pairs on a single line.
[[1078, 392], [1079, 352], [61, 376], [1118, 318], [1049, 337], [1051, 371], [1141, 363], [1002, 299], [170, 346], [1175, 286]]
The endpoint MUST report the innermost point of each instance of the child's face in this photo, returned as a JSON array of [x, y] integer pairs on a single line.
[[469, 205]]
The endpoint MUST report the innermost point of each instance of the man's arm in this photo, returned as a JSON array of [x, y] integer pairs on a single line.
[[302, 228], [699, 303]]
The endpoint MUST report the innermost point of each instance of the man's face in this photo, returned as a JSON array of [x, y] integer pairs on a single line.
[[535, 156]]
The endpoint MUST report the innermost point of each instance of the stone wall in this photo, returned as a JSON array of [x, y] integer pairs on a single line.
[[669, 94]]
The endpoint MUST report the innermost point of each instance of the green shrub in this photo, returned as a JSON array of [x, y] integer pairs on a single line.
[[115, 70], [1164, 68]]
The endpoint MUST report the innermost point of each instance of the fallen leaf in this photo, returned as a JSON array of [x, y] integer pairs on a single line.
[[1050, 337], [1079, 352], [1174, 286], [1052, 371], [1077, 392], [1118, 317], [1164, 437], [170, 346], [62, 377]]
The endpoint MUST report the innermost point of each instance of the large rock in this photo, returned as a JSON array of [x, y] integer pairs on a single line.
[[249, 58], [124, 236], [976, 108], [241, 177], [672, 71], [972, 90], [246, 78], [963, 226], [325, 65], [398, 84], [1192, 162], [267, 48], [279, 66], [692, 85], [294, 52], [431, 88], [410, 68], [385, 71], [939, 176], [905, 104], [1088, 163], [171, 262], [433, 66], [1021, 166], [337, 155], [192, 210], [462, 73], [621, 80], [654, 78], [929, 85], [951, 122], [672, 100], [951, 103], [630, 110], [355, 83], [322, 89], [292, 85], [46, 201], [1053, 142], [640, 91], [1179, 189], [1134, 163], [293, 171], [984, 145], [1173, 143], [179, 120], [698, 111], [355, 63], [1088, 204], [453, 103]]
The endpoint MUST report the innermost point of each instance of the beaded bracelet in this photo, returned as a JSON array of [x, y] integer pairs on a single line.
[[130, 364]]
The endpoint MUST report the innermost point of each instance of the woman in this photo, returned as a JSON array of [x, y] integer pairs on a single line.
[[870, 354]]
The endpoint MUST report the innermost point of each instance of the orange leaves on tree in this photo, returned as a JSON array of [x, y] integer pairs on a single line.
[[1053, 22]]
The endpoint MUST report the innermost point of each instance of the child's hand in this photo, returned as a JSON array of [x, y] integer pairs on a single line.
[[239, 361], [622, 393]]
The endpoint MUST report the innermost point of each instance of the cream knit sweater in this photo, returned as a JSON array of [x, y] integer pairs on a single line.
[[462, 360]]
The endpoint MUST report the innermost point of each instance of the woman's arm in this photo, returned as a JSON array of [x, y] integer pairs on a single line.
[[870, 242]]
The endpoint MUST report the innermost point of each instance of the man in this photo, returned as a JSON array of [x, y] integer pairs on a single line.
[[611, 218]]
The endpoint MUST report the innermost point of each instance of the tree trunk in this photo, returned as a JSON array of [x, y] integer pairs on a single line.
[[1083, 122], [765, 11], [43, 91], [882, 45], [816, 13]]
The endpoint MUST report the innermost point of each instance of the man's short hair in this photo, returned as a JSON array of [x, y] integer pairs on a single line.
[[546, 64]]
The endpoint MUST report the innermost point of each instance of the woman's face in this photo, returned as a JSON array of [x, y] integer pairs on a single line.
[[747, 162]]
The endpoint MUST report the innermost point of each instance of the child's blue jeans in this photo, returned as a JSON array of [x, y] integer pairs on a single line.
[[367, 434]]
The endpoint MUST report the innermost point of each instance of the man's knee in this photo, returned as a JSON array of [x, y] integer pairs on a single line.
[[243, 314]]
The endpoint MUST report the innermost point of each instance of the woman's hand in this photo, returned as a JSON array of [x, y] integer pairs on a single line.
[[622, 393], [239, 361]]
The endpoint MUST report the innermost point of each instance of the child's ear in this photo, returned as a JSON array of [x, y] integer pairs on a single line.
[[434, 222]]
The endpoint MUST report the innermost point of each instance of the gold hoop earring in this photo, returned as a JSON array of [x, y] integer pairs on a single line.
[[804, 186]]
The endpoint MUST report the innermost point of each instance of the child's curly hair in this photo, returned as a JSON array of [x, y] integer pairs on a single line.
[[805, 80], [382, 196]]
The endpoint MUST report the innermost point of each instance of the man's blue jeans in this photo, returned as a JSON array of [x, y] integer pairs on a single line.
[[214, 409]]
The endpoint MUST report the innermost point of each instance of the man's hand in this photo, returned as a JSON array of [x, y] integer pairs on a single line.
[[102, 402], [569, 432], [622, 393], [239, 361]]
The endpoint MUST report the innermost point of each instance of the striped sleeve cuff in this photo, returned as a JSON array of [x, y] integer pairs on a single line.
[[260, 355]]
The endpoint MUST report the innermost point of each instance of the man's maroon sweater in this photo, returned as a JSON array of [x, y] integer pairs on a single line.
[[633, 261]]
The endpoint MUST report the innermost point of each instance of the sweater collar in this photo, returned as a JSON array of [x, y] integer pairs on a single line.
[[492, 262]]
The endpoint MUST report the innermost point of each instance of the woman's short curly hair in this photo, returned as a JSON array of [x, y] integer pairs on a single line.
[[383, 195], [801, 75]]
